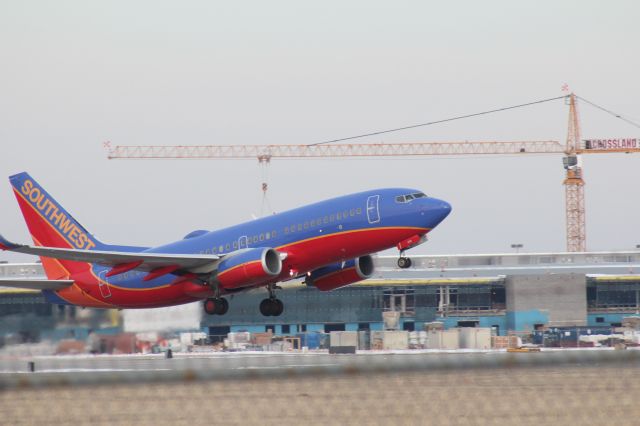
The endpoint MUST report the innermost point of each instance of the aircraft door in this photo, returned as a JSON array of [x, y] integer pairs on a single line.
[[243, 242], [373, 212], [105, 291]]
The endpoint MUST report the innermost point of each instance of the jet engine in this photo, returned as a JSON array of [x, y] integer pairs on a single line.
[[249, 267], [339, 274]]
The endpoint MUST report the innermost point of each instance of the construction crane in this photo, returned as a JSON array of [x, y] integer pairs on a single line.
[[572, 149], [574, 185]]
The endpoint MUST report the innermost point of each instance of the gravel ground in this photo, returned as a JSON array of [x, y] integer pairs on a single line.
[[519, 396]]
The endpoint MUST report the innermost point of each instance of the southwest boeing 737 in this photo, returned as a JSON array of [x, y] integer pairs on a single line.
[[329, 243]]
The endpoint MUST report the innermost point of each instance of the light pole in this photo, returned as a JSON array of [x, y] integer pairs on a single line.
[[518, 247]]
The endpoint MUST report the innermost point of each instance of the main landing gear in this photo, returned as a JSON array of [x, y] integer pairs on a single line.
[[272, 306], [404, 262], [216, 306]]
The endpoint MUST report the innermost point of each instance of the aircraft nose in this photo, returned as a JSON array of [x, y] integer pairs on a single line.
[[440, 209]]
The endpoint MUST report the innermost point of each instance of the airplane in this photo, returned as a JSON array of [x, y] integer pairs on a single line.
[[329, 243]]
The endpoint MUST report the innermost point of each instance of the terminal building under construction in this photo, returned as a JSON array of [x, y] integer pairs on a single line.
[[513, 292]]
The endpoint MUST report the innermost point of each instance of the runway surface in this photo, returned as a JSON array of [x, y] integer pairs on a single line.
[[241, 361], [158, 362]]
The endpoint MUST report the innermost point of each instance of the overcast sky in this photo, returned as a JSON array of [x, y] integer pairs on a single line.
[[76, 73]]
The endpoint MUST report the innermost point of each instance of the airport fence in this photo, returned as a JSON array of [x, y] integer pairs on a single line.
[[568, 386]]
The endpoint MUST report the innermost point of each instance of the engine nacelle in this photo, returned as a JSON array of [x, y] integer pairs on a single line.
[[249, 267], [336, 275]]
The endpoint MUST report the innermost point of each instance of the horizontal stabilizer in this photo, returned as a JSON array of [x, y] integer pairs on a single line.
[[35, 284], [6, 244]]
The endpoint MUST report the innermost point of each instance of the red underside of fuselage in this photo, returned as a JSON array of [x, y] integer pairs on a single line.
[[302, 256], [313, 253]]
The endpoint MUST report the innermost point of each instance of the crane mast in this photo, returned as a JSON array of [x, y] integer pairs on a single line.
[[574, 184]]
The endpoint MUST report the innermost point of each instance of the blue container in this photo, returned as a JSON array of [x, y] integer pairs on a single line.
[[311, 340]]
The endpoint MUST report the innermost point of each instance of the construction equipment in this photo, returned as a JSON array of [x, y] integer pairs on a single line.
[[572, 150]]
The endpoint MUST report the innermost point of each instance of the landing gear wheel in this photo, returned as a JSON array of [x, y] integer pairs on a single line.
[[218, 306], [278, 307], [210, 306], [404, 262], [265, 307], [271, 307], [222, 306]]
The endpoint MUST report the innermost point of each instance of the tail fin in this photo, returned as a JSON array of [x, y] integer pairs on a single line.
[[51, 225]]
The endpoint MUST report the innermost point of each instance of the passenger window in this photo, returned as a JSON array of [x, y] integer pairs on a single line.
[[267, 236], [215, 250], [326, 220], [221, 249], [345, 214], [261, 237], [255, 238], [306, 225], [339, 216], [358, 210], [332, 218], [228, 247], [286, 230], [313, 223], [353, 212], [235, 245], [273, 234], [293, 228], [299, 227]]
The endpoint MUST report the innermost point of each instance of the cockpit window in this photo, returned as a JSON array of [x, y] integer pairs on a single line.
[[408, 197]]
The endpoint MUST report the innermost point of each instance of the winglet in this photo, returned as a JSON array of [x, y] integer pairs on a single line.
[[7, 245]]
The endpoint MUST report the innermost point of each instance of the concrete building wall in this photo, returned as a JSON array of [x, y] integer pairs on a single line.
[[552, 299]]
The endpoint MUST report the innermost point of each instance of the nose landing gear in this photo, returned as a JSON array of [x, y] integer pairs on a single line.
[[403, 261]]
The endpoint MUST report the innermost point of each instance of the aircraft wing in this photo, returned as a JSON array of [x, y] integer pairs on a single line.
[[35, 284], [148, 261]]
